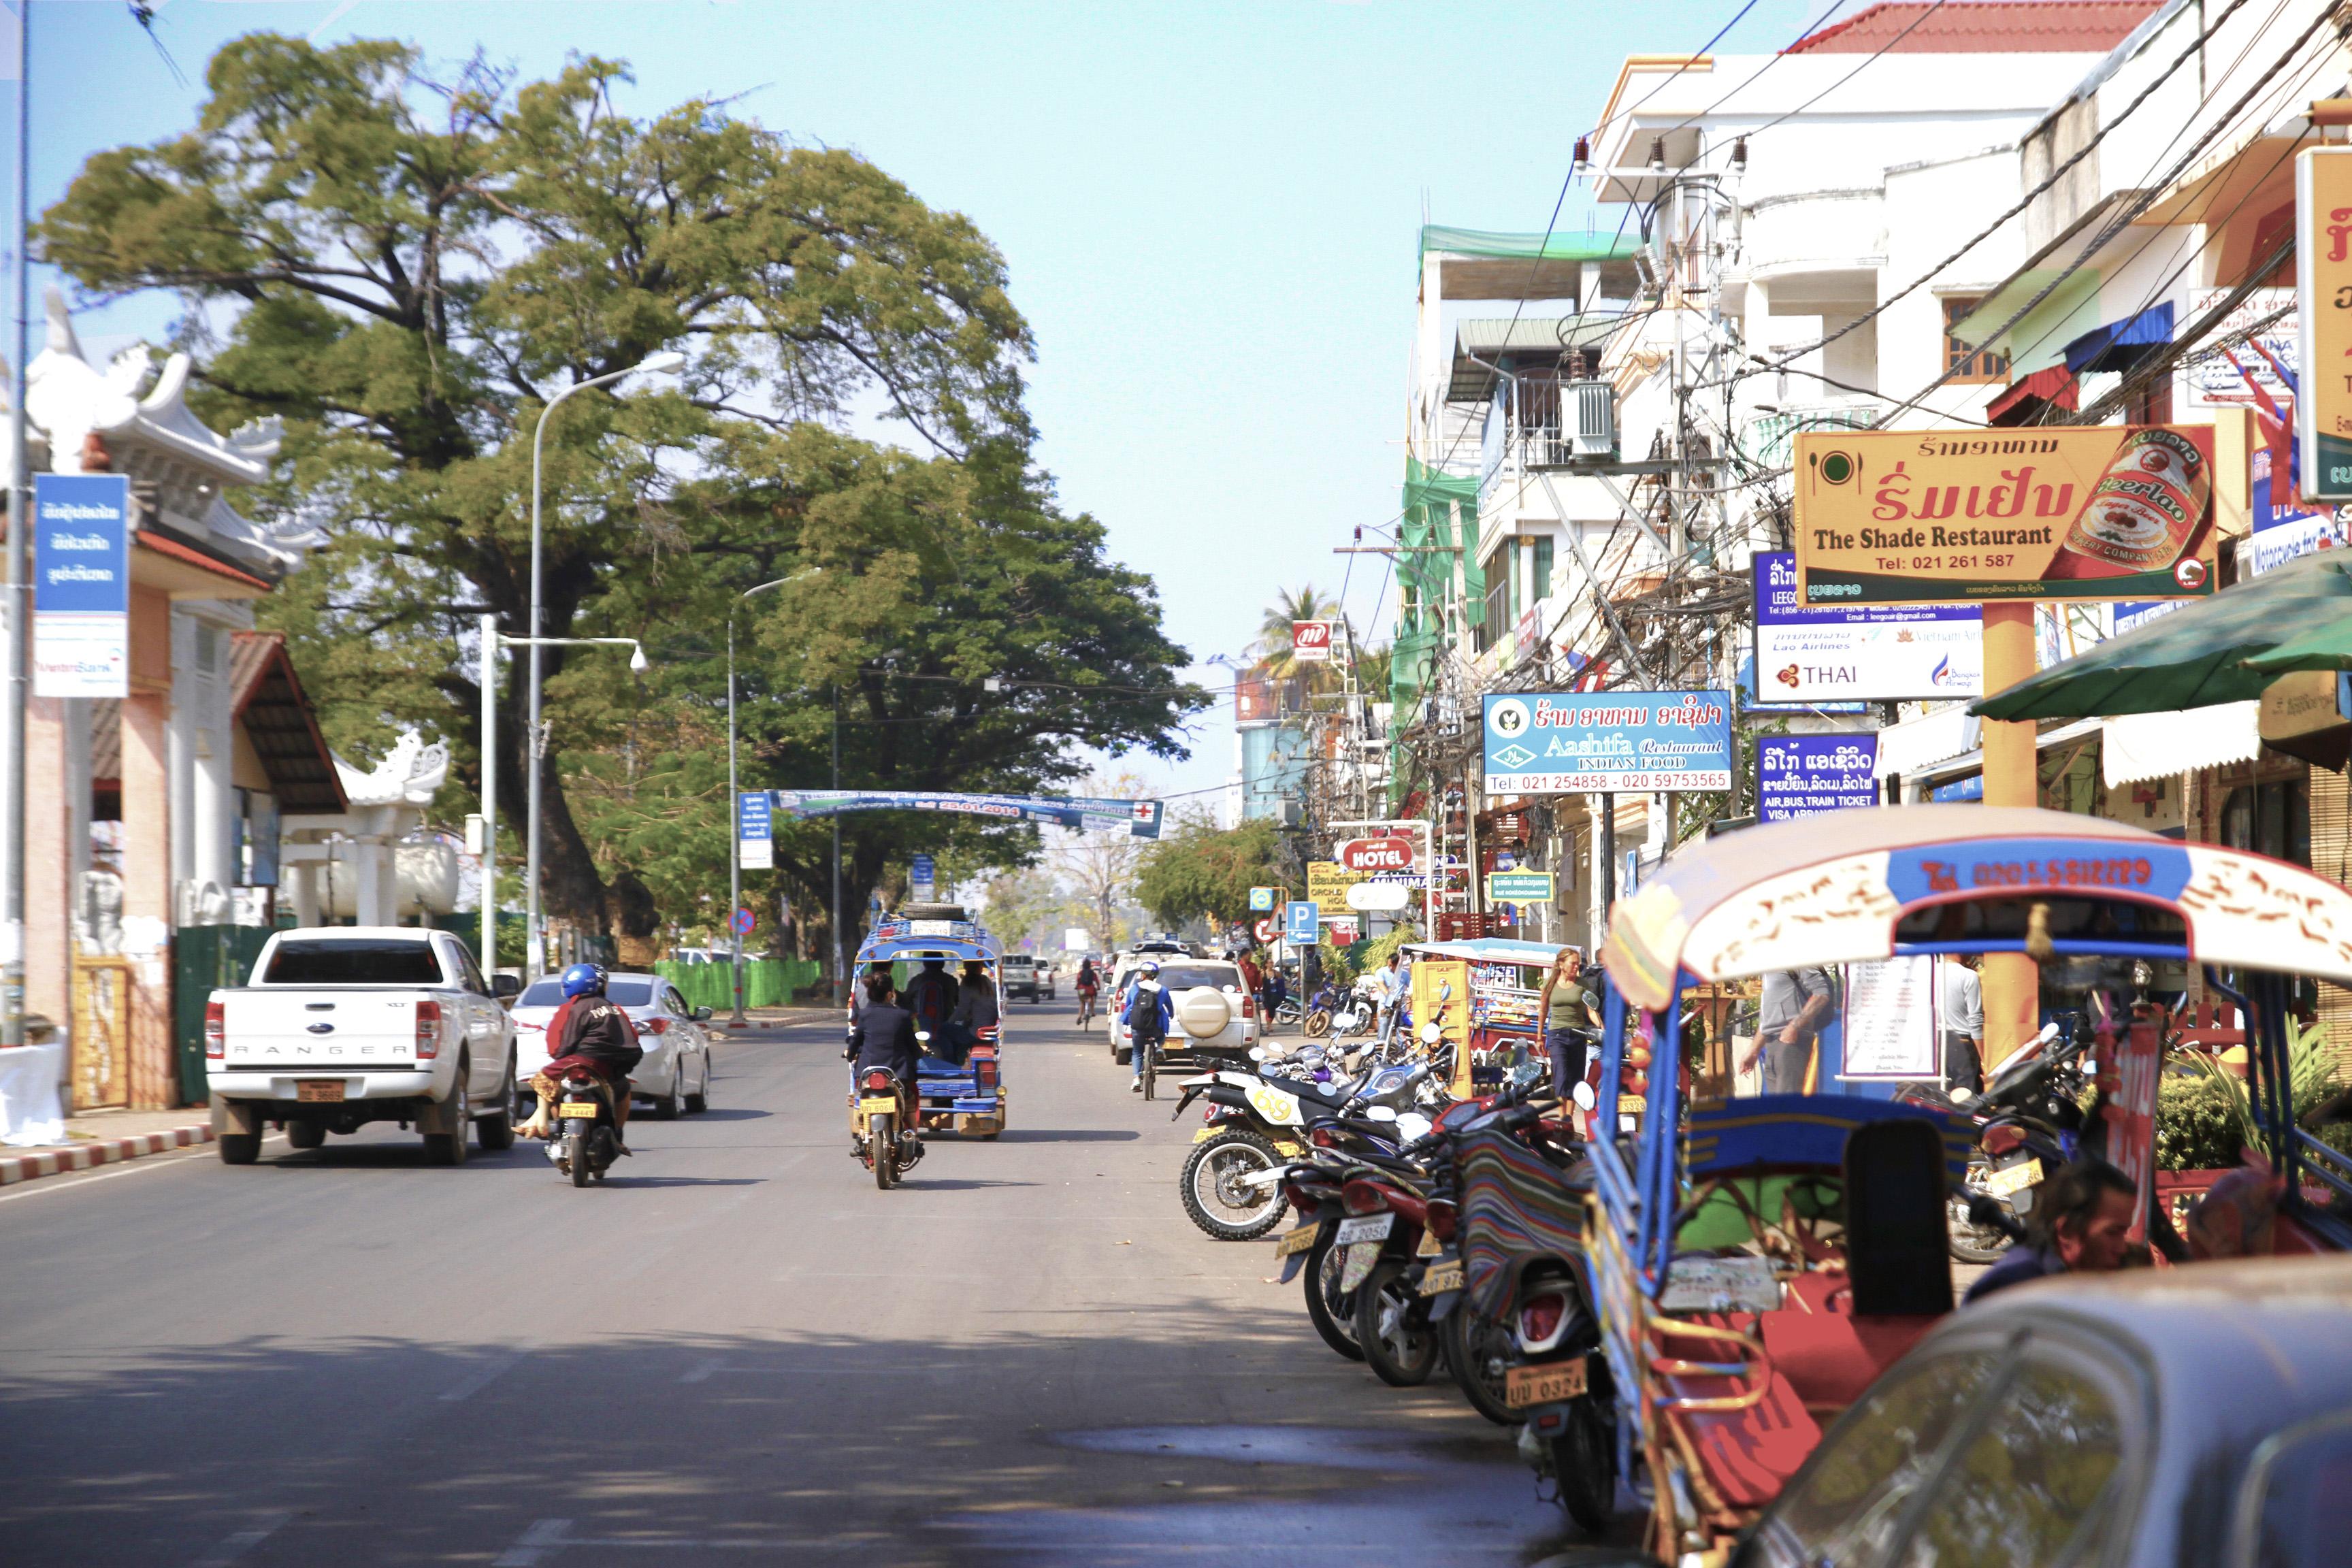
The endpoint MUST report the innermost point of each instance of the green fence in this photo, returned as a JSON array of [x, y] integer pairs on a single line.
[[204, 957], [767, 981]]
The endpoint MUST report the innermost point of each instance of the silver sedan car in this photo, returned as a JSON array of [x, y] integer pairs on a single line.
[[674, 1077]]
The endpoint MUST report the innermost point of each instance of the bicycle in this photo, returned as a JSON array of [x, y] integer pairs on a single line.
[[1086, 1007]]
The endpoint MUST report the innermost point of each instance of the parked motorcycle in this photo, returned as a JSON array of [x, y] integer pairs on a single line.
[[1257, 1122], [584, 1148]]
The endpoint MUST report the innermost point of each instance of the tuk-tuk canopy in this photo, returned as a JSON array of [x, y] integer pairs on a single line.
[[895, 939], [1831, 890]]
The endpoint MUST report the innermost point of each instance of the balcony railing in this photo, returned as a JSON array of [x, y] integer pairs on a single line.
[[1771, 438]]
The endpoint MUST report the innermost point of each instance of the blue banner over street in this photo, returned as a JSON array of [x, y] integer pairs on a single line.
[[1810, 775], [81, 586], [1561, 742], [1138, 818]]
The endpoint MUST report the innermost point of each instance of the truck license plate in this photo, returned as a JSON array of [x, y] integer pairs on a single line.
[[1549, 1384], [329, 1089], [571, 1109], [1298, 1240], [1440, 1278]]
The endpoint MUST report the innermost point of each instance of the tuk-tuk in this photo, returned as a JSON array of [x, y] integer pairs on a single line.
[[1755, 1262], [969, 1097]]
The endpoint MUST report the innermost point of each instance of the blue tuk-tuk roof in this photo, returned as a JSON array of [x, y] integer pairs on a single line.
[[895, 937], [1830, 889]]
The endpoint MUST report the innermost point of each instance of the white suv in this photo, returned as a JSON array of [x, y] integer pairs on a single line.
[[1214, 1015]]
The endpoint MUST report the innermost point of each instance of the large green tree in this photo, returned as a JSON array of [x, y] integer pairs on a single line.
[[1202, 870], [406, 270]]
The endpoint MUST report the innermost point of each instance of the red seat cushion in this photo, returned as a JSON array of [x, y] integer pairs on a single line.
[[1831, 1357], [1747, 1454]]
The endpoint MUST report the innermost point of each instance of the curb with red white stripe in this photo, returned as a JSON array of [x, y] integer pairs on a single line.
[[16, 1168]]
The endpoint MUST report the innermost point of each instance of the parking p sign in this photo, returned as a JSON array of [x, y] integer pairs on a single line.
[[1300, 919]]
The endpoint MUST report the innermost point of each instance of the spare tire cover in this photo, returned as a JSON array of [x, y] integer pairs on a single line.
[[1203, 1012]]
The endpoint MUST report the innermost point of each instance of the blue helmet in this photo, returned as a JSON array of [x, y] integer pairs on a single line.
[[584, 980]]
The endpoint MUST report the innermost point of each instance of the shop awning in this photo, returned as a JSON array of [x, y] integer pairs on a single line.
[[2194, 657], [2026, 399], [2039, 337], [2140, 746], [1917, 744], [2121, 346]]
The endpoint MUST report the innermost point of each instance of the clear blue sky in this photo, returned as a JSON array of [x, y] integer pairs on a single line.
[[1209, 210]]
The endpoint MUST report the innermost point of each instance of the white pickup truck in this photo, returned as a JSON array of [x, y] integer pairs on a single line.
[[348, 1025]]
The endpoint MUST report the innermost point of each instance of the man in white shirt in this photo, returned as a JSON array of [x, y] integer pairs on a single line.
[[1963, 1025]]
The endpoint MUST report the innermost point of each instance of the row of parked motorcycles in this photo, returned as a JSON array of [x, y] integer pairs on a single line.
[[1431, 1233]]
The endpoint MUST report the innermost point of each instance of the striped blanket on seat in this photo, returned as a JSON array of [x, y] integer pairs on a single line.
[[1515, 1204]]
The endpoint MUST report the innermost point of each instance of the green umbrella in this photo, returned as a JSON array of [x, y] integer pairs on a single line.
[[2227, 648]]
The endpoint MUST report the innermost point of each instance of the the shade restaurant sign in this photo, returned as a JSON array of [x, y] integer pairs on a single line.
[[1928, 517]]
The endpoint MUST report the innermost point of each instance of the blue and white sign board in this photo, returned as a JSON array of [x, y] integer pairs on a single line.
[[1809, 776], [755, 843], [1262, 899], [81, 586], [1866, 653], [1136, 819], [1300, 919], [1574, 742], [922, 878]]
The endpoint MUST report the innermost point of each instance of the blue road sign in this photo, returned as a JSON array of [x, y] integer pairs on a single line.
[[744, 920], [1300, 919], [1262, 901]]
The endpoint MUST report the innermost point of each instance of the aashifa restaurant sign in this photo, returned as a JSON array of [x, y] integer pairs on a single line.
[[1927, 517]]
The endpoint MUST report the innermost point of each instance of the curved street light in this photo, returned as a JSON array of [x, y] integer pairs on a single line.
[[734, 798], [668, 362]]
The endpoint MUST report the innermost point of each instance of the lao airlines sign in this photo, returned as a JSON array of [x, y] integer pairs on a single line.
[[1376, 853]]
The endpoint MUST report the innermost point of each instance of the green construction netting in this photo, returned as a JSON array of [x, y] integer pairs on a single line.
[[1440, 515], [1525, 247]]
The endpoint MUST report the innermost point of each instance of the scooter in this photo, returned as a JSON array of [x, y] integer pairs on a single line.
[[882, 1122], [583, 1148]]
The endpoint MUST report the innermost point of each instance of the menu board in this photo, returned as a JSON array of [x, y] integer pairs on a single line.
[[1890, 1020]]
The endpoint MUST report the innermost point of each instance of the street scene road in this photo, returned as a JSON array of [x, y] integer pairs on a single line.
[[733, 1346], [1608, 831]]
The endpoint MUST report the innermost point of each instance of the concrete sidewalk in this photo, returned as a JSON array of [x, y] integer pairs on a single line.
[[106, 1137]]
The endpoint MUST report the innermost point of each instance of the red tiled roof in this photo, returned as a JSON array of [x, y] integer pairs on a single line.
[[1982, 27]]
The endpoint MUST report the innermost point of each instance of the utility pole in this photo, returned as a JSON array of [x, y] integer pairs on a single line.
[[489, 629], [20, 576]]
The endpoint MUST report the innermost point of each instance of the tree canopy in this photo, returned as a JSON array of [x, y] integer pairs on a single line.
[[1202, 870], [406, 270]]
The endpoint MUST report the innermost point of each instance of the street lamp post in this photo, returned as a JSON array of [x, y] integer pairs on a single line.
[[533, 745], [493, 640], [734, 849]]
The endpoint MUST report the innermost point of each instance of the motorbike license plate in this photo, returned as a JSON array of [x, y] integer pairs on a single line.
[[1525, 1385], [572, 1108], [2016, 1178], [1291, 1151], [330, 1089], [877, 1107], [1440, 1278], [1296, 1241], [1205, 1134], [1366, 1227]]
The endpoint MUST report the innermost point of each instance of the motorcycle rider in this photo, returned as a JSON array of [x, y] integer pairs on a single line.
[[587, 1031], [883, 1037], [1146, 1010]]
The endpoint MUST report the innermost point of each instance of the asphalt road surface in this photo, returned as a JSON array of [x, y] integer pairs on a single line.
[[736, 1349]]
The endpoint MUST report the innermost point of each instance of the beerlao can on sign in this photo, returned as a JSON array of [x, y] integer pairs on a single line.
[[2144, 513]]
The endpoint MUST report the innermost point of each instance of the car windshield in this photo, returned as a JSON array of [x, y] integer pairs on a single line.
[[625, 993], [328, 960], [1184, 976]]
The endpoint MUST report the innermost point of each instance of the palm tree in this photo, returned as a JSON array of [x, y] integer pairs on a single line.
[[1274, 636]]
